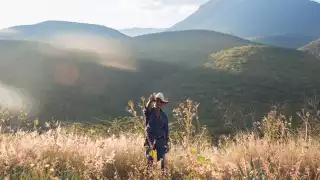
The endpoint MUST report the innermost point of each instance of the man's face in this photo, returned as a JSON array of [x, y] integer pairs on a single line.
[[158, 103]]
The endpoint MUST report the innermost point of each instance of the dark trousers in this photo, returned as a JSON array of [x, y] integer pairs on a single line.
[[160, 149]]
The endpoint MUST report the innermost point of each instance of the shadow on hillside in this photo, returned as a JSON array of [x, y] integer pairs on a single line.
[[76, 87]]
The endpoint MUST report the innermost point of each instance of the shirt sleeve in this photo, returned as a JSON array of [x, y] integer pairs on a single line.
[[166, 128], [147, 111], [146, 115]]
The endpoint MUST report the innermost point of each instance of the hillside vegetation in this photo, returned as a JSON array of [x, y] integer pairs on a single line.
[[312, 48], [266, 61]]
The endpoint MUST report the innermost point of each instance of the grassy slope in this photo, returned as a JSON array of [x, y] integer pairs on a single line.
[[312, 48]]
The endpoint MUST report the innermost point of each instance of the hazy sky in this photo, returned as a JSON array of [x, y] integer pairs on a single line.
[[111, 13]]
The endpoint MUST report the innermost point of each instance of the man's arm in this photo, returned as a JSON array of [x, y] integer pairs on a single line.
[[149, 133], [148, 108], [147, 111], [149, 125]]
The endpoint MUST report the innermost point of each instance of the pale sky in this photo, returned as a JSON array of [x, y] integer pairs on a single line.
[[111, 13]]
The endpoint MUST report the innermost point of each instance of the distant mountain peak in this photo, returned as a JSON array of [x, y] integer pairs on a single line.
[[254, 18]]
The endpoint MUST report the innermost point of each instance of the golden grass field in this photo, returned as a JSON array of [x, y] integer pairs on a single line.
[[64, 153]]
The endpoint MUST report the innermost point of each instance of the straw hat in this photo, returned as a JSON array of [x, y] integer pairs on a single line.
[[161, 97]]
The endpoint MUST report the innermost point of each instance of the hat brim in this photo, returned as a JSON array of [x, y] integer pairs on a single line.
[[163, 101]]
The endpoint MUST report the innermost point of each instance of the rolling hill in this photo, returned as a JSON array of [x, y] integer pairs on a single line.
[[44, 31], [72, 35], [256, 18], [312, 48], [190, 47]]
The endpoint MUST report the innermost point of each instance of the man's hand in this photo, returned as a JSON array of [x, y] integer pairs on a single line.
[[153, 146], [152, 98]]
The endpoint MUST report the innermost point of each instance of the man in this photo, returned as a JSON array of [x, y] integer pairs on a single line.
[[157, 131]]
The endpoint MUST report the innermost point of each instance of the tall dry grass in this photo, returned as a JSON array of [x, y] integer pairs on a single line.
[[274, 150]]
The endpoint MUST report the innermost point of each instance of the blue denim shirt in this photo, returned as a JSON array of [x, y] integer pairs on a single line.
[[156, 128]]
